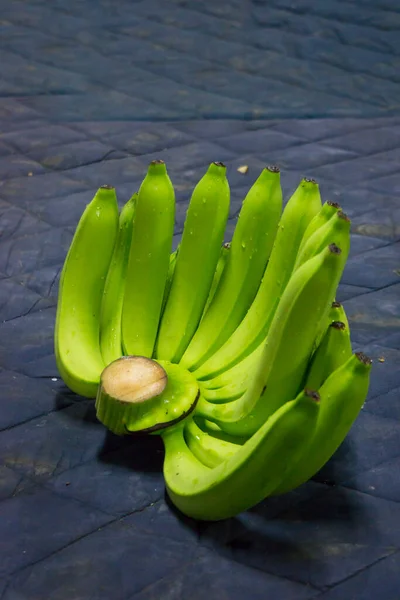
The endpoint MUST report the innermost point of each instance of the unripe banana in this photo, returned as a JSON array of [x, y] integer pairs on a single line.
[[209, 450], [248, 255], [336, 312], [251, 474], [236, 374], [114, 289], [149, 259], [195, 264], [288, 348], [77, 334], [235, 380], [335, 231], [219, 269], [323, 216], [170, 275], [214, 430], [301, 208], [227, 393], [342, 397], [334, 350]]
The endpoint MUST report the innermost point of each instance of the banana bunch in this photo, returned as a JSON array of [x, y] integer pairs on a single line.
[[237, 354]]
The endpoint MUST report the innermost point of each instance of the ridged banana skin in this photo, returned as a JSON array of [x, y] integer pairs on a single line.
[[342, 397], [238, 379], [334, 350], [114, 289], [341, 233], [235, 375], [304, 204], [198, 256], [216, 432], [209, 450], [335, 231], [227, 393], [288, 348], [246, 478], [149, 260], [170, 275], [249, 252], [321, 218], [77, 329], [219, 269]]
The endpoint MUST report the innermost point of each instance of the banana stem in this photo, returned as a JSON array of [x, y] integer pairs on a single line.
[[140, 395], [129, 388]]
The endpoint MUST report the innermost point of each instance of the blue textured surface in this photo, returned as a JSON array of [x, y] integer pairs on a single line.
[[90, 92]]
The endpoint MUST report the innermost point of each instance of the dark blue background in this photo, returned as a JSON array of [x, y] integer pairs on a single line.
[[90, 92]]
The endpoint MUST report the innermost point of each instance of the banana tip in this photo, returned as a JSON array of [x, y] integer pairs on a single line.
[[312, 394], [273, 168], [363, 358], [310, 180], [219, 164], [158, 161], [343, 216], [333, 249], [336, 305], [338, 325], [106, 187]]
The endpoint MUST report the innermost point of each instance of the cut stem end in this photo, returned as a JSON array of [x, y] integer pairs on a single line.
[[140, 395], [134, 379]]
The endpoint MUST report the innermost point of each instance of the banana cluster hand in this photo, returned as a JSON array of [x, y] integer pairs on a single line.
[[236, 354]]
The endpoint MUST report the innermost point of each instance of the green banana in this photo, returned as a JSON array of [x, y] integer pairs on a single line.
[[333, 351], [216, 432], [149, 259], [77, 332], [219, 269], [114, 289], [250, 249], [342, 397], [209, 450], [247, 477], [236, 374], [323, 216], [288, 348], [337, 313], [336, 230], [236, 379], [229, 392], [300, 209], [170, 275], [199, 252]]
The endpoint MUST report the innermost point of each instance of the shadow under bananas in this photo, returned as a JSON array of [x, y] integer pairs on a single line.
[[295, 535], [64, 398], [139, 453], [287, 535], [76, 407], [336, 470], [297, 540]]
